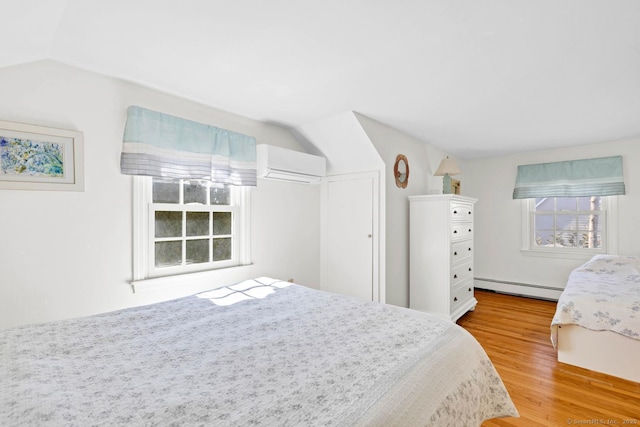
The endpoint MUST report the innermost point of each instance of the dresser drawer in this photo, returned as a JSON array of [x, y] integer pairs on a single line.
[[462, 231], [460, 294], [461, 250], [461, 212], [461, 272]]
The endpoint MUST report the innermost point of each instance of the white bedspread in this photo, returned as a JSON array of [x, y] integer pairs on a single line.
[[261, 352], [602, 295]]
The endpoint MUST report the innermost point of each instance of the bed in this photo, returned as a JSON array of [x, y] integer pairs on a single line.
[[261, 352], [597, 321]]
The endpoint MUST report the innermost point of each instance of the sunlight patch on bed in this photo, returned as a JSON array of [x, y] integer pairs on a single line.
[[247, 290]]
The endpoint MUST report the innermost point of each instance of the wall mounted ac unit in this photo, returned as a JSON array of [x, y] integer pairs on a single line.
[[282, 164]]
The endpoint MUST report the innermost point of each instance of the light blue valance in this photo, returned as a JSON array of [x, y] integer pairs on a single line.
[[574, 178], [161, 145]]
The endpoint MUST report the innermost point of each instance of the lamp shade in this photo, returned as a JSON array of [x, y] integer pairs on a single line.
[[447, 167]]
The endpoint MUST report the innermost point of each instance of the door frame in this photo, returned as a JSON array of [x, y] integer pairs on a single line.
[[378, 230]]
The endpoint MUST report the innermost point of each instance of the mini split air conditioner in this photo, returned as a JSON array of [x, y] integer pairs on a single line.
[[277, 163]]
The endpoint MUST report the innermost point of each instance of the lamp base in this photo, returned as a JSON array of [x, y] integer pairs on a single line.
[[447, 188]]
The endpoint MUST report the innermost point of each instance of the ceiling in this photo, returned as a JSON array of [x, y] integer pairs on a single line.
[[476, 78]]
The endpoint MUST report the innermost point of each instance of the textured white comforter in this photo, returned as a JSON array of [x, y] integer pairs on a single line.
[[261, 352], [602, 295]]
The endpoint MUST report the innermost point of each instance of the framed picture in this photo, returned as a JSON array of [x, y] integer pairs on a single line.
[[40, 158]]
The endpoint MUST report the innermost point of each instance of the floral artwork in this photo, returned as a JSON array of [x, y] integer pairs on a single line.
[[40, 158], [19, 156]]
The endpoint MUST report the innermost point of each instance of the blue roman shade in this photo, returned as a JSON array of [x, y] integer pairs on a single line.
[[161, 145], [574, 178]]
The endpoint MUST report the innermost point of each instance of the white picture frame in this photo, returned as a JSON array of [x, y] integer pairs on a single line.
[[40, 158]]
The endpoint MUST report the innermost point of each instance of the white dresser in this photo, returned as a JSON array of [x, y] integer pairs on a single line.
[[441, 254]]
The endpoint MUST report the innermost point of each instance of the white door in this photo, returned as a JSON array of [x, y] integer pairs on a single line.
[[349, 237]]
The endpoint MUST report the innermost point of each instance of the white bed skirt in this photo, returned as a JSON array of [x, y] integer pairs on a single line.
[[601, 351]]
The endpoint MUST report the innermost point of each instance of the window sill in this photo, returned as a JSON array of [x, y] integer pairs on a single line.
[[565, 254], [195, 282]]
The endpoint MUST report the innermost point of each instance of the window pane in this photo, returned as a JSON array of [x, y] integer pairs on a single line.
[[566, 203], [567, 223], [592, 240], [197, 223], [220, 196], [168, 224], [166, 191], [195, 192], [197, 251], [221, 249], [168, 254], [589, 203], [567, 239], [221, 223], [544, 238], [543, 222], [596, 203], [544, 204], [589, 222]]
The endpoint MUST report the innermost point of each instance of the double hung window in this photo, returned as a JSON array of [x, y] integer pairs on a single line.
[[578, 225], [568, 222], [190, 226]]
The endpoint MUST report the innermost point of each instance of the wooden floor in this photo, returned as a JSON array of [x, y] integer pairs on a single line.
[[514, 332]]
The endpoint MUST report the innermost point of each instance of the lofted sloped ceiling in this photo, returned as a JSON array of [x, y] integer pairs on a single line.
[[473, 78]]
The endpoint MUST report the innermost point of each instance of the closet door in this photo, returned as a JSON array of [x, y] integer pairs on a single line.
[[348, 266]]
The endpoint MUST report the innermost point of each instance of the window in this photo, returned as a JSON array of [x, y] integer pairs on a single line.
[[567, 222], [186, 226], [578, 225]]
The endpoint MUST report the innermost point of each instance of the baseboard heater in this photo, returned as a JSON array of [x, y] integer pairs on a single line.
[[516, 288]]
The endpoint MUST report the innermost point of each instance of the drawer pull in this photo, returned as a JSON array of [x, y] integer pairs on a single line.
[[469, 268], [469, 249], [469, 230], [455, 231], [469, 289], [455, 299], [469, 212], [455, 212], [455, 253], [455, 276]]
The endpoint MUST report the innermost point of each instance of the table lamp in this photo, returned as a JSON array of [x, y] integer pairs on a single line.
[[447, 168]]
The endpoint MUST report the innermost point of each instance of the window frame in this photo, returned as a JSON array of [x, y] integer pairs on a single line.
[[609, 230], [143, 233]]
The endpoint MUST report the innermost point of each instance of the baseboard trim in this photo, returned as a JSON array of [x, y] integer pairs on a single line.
[[515, 288]]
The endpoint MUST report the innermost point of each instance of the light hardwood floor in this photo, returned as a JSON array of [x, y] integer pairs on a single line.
[[514, 332]]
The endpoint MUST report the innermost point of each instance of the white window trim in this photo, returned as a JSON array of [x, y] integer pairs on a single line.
[[142, 271], [610, 245]]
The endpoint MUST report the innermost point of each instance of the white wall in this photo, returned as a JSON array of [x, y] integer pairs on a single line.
[[423, 160], [67, 254], [343, 142], [498, 216]]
